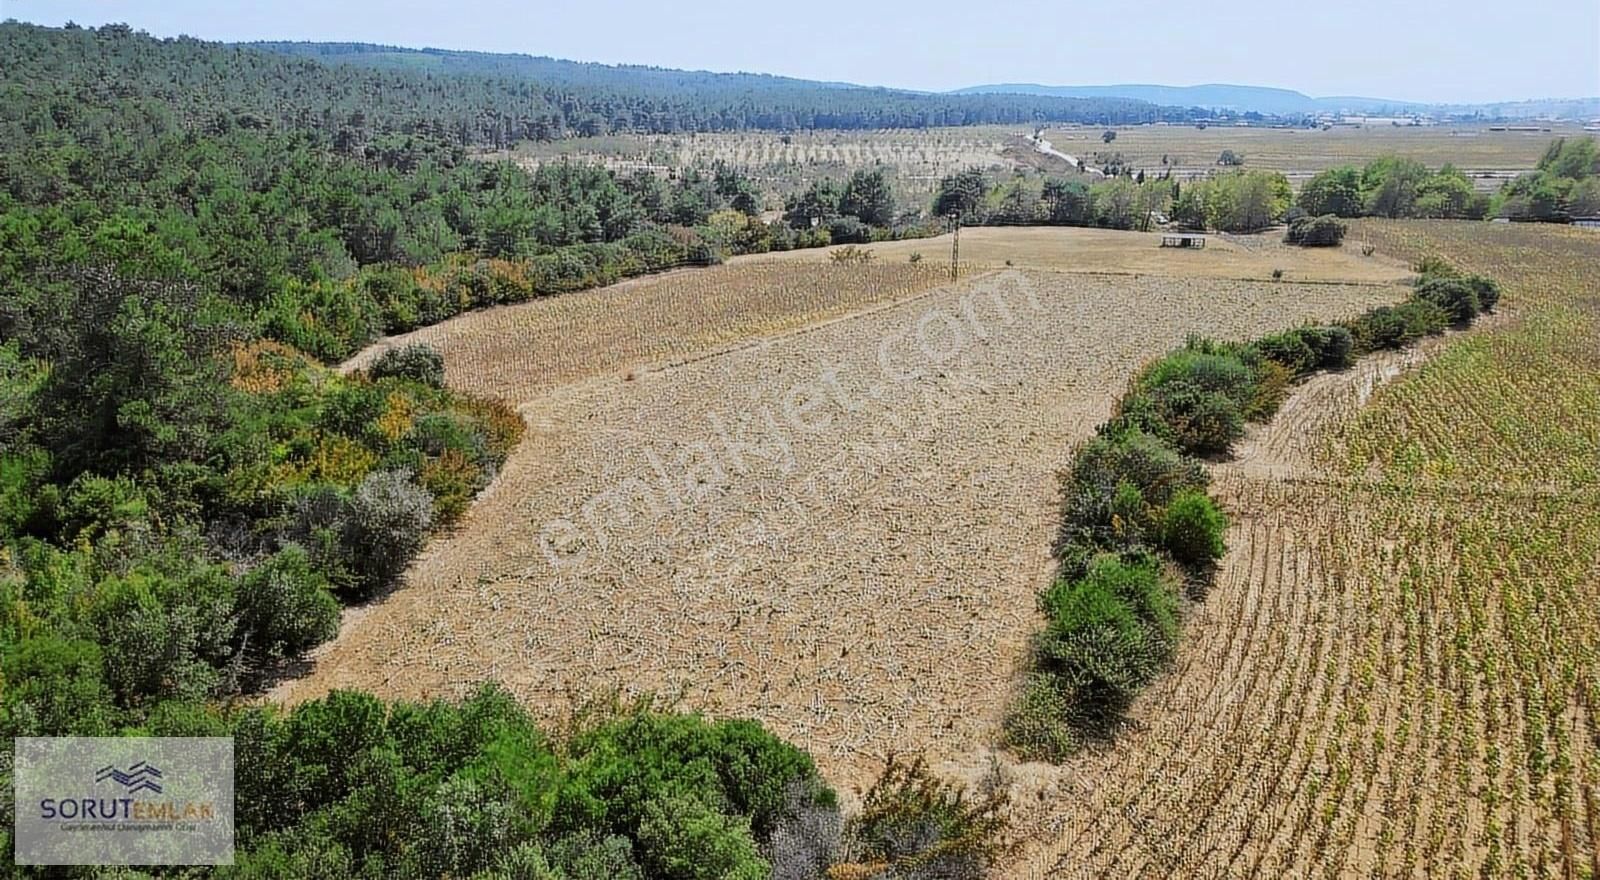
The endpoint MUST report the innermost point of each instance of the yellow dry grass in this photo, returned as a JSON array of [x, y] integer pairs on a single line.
[[668, 525], [1107, 251], [1394, 675], [1489, 156]]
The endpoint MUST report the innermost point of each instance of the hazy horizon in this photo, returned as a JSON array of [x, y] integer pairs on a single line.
[[1440, 53]]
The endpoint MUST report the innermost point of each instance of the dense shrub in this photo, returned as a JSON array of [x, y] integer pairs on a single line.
[[1457, 297], [1397, 326], [384, 525], [1192, 530], [1436, 267], [1115, 489], [1198, 421], [1307, 349], [915, 826], [416, 362], [1324, 231], [1332, 346], [1487, 290], [285, 607], [1196, 398], [1109, 631], [55, 686], [1291, 349], [1039, 725]]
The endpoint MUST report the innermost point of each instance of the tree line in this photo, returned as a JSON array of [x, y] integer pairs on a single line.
[[189, 494], [361, 93]]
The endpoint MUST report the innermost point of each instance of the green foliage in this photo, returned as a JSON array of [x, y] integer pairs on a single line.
[[1487, 291], [1108, 633], [53, 686], [1116, 488], [868, 198], [285, 607], [686, 840], [1196, 398], [1192, 530], [1397, 326], [1324, 231], [923, 828], [386, 521], [1456, 297], [1307, 349], [1234, 201], [962, 194], [417, 362], [1567, 183], [1336, 191]]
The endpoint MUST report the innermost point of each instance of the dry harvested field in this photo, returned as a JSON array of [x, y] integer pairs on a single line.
[[1107, 251], [516, 351], [839, 530], [1396, 672], [1488, 156]]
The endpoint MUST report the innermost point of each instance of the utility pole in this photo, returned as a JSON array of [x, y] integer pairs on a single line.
[[955, 247]]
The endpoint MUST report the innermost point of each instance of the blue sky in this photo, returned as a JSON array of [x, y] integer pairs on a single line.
[[1466, 51]]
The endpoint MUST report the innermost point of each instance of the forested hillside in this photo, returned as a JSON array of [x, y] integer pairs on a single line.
[[190, 235], [465, 98]]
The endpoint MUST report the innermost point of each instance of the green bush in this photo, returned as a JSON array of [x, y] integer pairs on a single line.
[[1202, 422], [1192, 530], [1206, 366], [1323, 231], [1487, 289], [1113, 487], [285, 607], [924, 828], [385, 523], [1038, 726], [164, 634], [680, 838], [54, 686], [1457, 297], [416, 362], [1331, 346], [1398, 326], [1109, 631], [1291, 349], [1437, 267]]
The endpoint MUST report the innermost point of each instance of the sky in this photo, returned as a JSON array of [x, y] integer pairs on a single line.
[[1461, 52]]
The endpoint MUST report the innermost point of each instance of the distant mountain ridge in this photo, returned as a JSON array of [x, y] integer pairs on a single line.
[[1287, 102]]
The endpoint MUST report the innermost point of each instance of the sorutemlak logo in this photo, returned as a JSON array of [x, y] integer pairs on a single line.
[[124, 800], [139, 777]]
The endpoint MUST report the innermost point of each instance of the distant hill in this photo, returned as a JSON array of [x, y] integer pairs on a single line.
[[1287, 102], [639, 98]]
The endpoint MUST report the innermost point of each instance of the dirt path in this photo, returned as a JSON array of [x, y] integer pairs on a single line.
[[839, 531]]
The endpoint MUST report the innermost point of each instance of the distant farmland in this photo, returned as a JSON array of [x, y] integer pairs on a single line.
[[1489, 157], [916, 159]]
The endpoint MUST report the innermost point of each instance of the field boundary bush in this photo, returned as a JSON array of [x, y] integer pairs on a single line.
[[1139, 529]]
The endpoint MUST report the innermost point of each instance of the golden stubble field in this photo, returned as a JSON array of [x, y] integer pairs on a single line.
[[1490, 157], [1396, 672], [839, 526], [838, 529]]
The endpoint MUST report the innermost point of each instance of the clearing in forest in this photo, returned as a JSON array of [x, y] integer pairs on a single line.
[[839, 529]]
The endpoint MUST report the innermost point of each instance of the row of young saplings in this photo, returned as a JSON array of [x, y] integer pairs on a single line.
[[1138, 527]]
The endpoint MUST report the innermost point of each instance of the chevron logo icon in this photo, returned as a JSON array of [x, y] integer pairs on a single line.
[[137, 778]]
